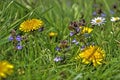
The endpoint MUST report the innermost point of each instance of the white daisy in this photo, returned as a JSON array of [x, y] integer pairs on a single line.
[[98, 21], [114, 19]]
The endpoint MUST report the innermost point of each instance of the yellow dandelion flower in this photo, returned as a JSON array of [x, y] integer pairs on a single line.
[[52, 34], [5, 69], [86, 30], [30, 25], [92, 54]]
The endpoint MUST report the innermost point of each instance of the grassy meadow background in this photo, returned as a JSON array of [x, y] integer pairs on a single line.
[[36, 60]]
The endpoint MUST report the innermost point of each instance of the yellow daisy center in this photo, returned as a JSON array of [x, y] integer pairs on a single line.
[[98, 20]]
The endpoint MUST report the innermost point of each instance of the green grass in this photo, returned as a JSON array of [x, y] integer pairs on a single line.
[[36, 57]]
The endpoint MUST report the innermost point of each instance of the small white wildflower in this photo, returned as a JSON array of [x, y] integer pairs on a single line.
[[98, 21], [114, 19]]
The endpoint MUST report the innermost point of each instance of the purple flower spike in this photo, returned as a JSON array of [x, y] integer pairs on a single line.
[[10, 38], [72, 33], [18, 38], [57, 59]]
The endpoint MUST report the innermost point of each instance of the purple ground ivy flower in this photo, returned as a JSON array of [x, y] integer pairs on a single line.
[[75, 41], [103, 15], [112, 12], [82, 48], [77, 29], [10, 38], [57, 59], [94, 13], [19, 47], [18, 38], [72, 33], [57, 48]]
